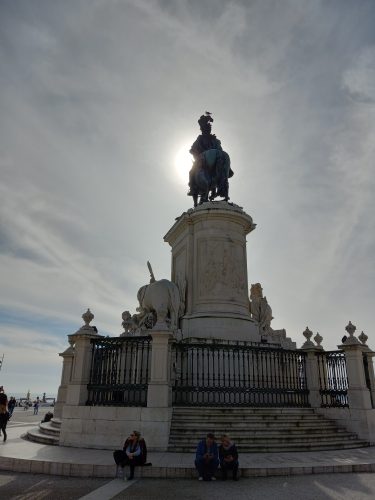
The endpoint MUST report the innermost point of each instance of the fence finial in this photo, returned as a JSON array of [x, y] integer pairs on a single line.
[[318, 339], [363, 337], [351, 340], [307, 334]]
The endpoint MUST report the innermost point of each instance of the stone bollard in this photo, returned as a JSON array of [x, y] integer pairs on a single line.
[[159, 390]]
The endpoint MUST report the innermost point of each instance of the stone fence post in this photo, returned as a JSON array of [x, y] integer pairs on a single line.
[[312, 367], [358, 392], [66, 376], [159, 390], [77, 390]]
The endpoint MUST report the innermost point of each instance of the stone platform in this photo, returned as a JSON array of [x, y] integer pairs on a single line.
[[20, 455]]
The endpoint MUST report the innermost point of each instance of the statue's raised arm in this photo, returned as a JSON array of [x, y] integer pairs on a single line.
[[208, 177]]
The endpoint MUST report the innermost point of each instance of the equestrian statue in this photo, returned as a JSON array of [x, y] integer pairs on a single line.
[[208, 177]]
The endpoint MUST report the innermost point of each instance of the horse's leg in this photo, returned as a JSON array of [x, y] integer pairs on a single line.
[[213, 194], [195, 199]]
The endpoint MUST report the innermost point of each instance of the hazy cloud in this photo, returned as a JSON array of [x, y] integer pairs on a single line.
[[97, 97]]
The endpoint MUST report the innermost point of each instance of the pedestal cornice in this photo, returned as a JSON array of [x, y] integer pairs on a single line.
[[211, 210]]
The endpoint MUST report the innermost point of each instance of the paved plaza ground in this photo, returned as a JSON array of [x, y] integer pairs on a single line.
[[27, 486], [355, 486]]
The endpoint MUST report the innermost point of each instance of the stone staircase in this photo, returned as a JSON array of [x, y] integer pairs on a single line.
[[259, 429], [46, 433]]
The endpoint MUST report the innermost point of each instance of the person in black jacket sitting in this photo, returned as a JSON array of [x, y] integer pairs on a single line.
[[134, 453], [228, 456]]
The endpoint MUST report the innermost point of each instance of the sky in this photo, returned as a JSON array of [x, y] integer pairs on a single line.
[[99, 102]]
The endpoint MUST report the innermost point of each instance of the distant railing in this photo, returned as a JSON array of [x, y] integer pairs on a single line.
[[238, 375], [368, 377], [333, 379], [119, 372]]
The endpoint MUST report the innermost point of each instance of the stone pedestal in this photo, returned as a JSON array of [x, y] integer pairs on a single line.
[[358, 392], [312, 375], [159, 391], [77, 390], [209, 257], [66, 375]]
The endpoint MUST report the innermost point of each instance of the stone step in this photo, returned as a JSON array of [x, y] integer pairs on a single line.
[[245, 441], [194, 410], [249, 420], [56, 422], [259, 429], [269, 426], [250, 434], [49, 429], [39, 437], [279, 448]]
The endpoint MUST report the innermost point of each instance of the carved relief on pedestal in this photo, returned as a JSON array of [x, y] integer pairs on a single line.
[[221, 271]]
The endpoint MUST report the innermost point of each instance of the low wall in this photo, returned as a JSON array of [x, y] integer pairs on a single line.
[[362, 422], [107, 427]]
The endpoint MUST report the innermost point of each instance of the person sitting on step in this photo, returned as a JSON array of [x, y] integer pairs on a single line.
[[207, 458], [134, 453], [228, 456]]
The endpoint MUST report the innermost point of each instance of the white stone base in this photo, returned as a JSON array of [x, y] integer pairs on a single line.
[[220, 326], [362, 422], [107, 427]]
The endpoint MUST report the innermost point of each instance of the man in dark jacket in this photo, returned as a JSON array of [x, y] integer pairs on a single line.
[[207, 458], [228, 458]]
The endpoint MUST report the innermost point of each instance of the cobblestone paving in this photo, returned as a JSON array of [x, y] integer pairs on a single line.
[[317, 487], [18, 486]]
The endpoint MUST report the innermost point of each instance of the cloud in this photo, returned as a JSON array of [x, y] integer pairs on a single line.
[[96, 100]]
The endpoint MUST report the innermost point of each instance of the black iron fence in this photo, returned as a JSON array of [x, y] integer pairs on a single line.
[[238, 375], [333, 379], [368, 378], [119, 373]]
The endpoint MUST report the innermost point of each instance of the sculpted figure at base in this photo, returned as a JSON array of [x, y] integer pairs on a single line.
[[260, 310], [159, 306], [211, 167]]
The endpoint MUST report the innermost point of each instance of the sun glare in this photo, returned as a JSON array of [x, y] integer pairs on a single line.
[[183, 162]]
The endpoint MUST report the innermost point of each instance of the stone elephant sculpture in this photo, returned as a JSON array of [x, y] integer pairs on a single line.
[[162, 298]]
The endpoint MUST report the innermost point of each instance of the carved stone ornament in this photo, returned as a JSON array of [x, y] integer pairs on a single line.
[[87, 317], [318, 339], [308, 334], [127, 322], [363, 338], [351, 340]]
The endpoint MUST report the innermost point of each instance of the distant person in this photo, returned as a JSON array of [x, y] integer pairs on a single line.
[[207, 458], [3, 403], [11, 405], [47, 417], [228, 456], [4, 417], [3, 400], [134, 453], [25, 405], [36, 406]]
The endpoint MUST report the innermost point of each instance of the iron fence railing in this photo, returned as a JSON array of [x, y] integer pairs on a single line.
[[238, 375], [333, 379], [119, 374]]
